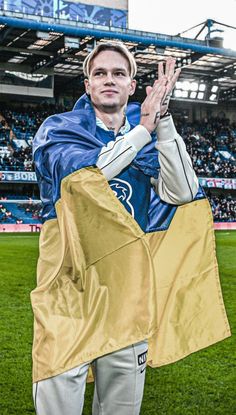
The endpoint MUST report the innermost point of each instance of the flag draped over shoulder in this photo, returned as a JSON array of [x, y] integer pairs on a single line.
[[104, 283]]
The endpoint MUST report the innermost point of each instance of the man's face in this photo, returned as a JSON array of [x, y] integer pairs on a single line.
[[109, 83]]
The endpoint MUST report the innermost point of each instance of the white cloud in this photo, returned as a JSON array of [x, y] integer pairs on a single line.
[[174, 16]]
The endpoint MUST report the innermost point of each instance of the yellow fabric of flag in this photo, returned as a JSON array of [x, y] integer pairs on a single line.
[[103, 284]]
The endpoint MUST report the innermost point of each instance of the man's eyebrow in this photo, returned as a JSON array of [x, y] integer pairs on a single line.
[[120, 69], [114, 69], [100, 68]]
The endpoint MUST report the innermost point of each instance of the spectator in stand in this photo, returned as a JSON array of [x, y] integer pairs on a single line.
[[223, 207]]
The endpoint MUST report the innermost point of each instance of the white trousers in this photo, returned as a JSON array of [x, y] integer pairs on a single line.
[[119, 385]]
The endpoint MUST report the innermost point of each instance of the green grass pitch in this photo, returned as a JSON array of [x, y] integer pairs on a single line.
[[201, 384]]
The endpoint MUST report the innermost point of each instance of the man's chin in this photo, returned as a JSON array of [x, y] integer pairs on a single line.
[[109, 106]]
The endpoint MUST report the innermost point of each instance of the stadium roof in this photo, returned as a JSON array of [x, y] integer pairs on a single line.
[[50, 46]]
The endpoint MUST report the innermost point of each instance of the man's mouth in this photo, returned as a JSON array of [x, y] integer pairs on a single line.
[[109, 91]]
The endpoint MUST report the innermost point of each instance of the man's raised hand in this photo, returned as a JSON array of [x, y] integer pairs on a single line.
[[151, 107], [158, 96], [172, 77]]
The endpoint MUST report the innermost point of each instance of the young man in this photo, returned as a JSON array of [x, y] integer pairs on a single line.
[[106, 197]]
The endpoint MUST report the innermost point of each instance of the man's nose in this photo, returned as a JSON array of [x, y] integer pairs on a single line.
[[109, 79]]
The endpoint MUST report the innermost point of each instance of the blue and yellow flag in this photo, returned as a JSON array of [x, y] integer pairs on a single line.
[[104, 282]]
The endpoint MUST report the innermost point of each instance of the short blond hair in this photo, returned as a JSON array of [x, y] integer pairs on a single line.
[[116, 47]]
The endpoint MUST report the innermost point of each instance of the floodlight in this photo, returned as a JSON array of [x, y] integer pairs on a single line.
[[187, 90], [214, 88], [28, 77], [212, 97], [200, 95], [193, 86], [193, 94], [178, 93], [186, 85], [184, 94], [202, 87]]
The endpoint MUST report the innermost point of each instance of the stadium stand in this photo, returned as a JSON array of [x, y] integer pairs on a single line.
[[212, 146], [20, 212], [211, 143], [17, 129], [223, 208]]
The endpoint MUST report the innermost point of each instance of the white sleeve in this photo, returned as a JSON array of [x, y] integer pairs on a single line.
[[118, 154], [177, 182]]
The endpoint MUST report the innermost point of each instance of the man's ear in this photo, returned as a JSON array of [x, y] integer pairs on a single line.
[[87, 86], [132, 87]]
